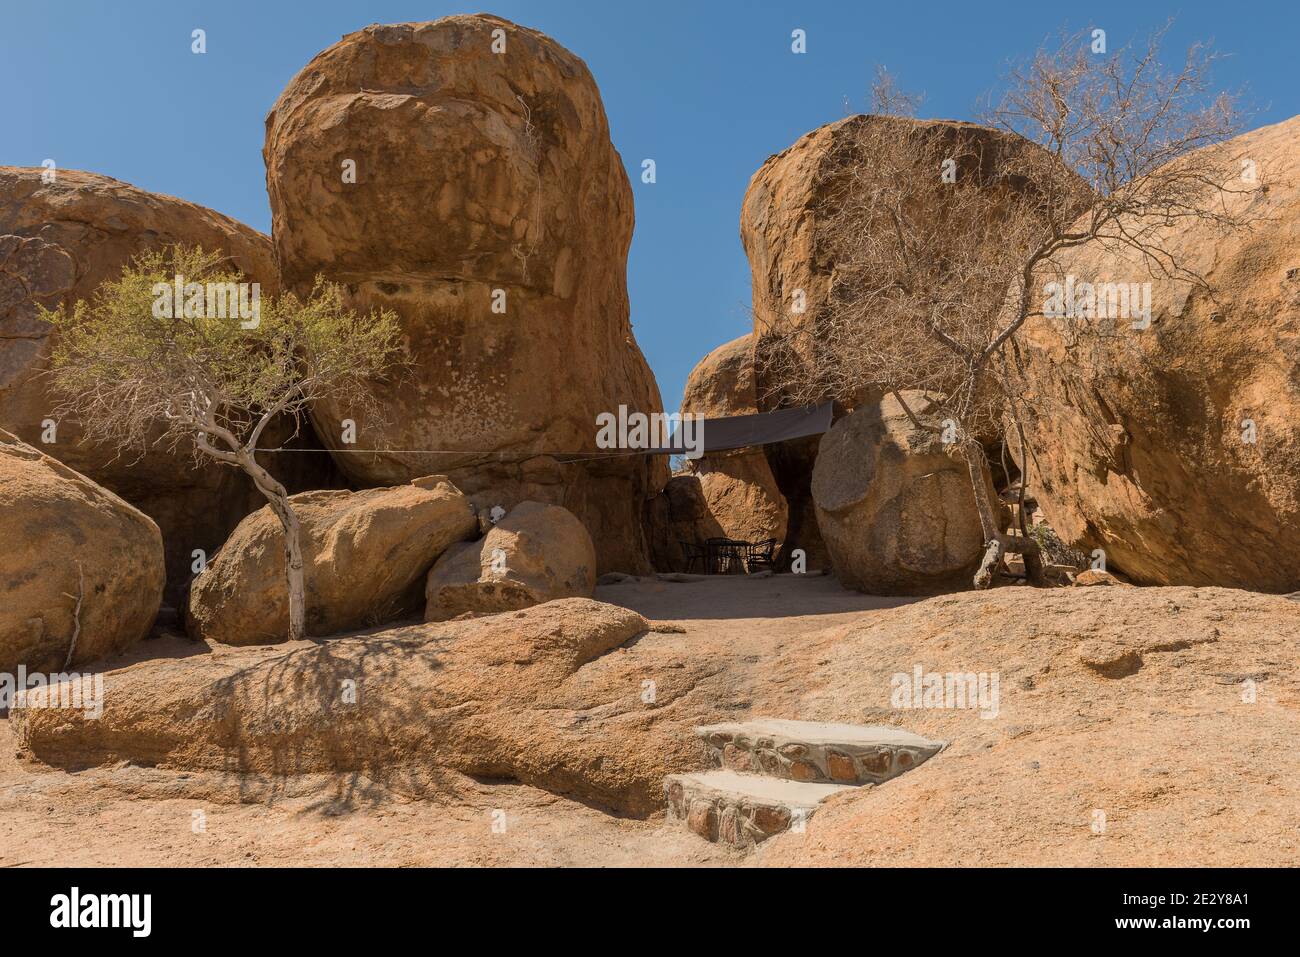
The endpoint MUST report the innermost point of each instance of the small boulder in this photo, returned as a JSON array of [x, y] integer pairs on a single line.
[[68, 540], [1110, 659], [366, 554], [1093, 577], [895, 509], [535, 554]]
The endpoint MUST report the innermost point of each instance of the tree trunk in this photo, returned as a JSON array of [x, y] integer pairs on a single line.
[[1033, 562], [993, 553], [293, 564], [278, 497], [995, 541], [1029, 548]]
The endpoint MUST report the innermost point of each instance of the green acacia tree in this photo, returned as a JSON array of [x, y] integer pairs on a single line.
[[164, 355]]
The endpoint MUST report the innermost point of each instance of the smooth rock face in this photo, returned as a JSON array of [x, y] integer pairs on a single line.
[[896, 510], [1136, 697], [481, 179], [66, 536], [535, 554], [739, 487], [1141, 436], [366, 555], [58, 243]]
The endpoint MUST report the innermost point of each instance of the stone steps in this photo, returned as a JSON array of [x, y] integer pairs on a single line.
[[774, 773], [742, 809], [816, 751]]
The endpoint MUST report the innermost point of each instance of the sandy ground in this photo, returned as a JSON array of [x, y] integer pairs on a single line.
[[150, 817], [143, 817]]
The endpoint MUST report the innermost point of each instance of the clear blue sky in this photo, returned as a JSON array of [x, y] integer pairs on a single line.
[[708, 89]]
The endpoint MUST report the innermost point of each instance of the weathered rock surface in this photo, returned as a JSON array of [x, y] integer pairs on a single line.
[[539, 696], [896, 510], [738, 486], [366, 555], [67, 540], [1143, 437], [535, 554], [58, 242], [785, 222], [481, 178]]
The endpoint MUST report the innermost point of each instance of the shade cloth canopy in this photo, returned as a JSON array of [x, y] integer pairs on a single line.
[[761, 428]]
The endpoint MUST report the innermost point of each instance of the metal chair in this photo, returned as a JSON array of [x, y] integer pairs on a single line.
[[693, 552], [760, 556]]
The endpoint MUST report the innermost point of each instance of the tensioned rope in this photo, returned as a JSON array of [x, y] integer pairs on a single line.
[[726, 434], [473, 453]]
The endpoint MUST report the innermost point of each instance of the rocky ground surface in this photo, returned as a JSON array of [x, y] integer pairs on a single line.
[[1117, 700]]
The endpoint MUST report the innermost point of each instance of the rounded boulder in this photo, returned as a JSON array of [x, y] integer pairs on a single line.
[[897, 511], [76, 560], [536, 553]]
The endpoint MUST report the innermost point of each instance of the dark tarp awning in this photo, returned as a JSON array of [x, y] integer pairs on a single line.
[[761, 428]]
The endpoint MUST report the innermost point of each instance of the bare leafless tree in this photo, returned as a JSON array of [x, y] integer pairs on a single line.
[[943, 234]]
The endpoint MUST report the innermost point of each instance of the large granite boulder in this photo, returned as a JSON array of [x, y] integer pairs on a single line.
[[786, 228], [76, 560], [366, 555], [536, 553], [1175, 448], [58, 242], [741, 493], [896, 510], [460, 172]]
